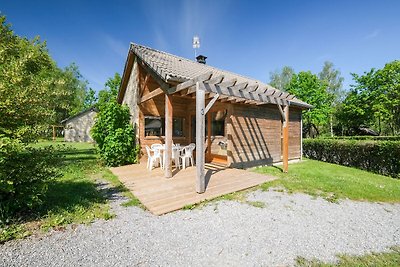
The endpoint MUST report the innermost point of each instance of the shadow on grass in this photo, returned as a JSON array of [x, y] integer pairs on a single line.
[[68, 196], [278, 168]]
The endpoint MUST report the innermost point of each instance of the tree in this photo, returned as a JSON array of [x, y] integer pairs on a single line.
[[280, 79], [72, 90], [334, 83], [90, 98], [26, 85], [34, 92], [110, 92], [374, 100], [309, 88]]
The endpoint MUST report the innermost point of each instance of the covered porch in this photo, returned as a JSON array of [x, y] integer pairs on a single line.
[[160, 195], [205, 96]]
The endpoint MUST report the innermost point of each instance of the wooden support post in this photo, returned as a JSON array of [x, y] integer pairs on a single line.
[[200, 121], [286, 139], [168, 136], [54, 133], [209, 118]]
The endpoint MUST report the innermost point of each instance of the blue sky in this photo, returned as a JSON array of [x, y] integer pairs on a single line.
[[252, 38]]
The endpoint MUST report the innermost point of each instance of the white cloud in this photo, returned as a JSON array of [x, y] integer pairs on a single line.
[[118, 47], [372, 35]]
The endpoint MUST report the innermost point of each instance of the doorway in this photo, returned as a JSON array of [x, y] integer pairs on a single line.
[[216, 138]]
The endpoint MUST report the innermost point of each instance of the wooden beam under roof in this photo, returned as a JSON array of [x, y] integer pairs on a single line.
[[228, 83], [154, 75], [240, 86], [252, 88], [224, 91], [151, 95], [216, 79], [192, 82]]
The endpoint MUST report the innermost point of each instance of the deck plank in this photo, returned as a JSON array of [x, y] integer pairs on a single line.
[[162, 195]]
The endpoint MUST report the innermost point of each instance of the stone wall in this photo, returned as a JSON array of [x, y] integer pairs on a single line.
[[78, 128]]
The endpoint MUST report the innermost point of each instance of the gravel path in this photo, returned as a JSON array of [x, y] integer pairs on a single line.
[[225, 233]]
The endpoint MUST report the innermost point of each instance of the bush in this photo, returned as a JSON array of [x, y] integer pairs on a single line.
[[115, 135], [366, 137], [24, 172], [380, 157]]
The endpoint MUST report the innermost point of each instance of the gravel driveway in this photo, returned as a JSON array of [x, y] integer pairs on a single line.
[[225, 233]]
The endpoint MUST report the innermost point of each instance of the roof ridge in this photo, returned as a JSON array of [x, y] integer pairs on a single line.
[[208, 66]]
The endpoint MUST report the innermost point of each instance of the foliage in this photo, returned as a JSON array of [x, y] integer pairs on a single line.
[[34, 92], [333, 182], [374, 101], [74, 197], [333, 80], [307, 87], [110, 92], [366, 137], [72, 92], [112, 130], [24, 173], [280, 79], [90, 99], [380, 157]]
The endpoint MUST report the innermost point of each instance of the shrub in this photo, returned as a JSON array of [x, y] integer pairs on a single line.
[[380, 157], [115, 135], [366, 137], [24, 172]]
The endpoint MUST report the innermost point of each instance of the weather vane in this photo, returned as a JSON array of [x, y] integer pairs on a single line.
[[196, 44]]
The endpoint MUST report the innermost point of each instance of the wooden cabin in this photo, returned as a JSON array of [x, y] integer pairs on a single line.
[[237, 121]]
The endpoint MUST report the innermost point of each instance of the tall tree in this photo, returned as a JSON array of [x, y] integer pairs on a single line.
[[377, 94], [26, 84], [90, 98], [334, 82], [110, 92], [34, 92], [309, 88], [280, 79]]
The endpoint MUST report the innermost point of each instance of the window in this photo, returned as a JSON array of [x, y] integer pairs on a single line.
[[218, 123], [155, 126], [177, 127]]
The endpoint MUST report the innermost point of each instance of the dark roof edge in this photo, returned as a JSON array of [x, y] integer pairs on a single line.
[[92, 108]]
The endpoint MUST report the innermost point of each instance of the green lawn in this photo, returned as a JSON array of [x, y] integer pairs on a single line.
[[391, 258], [333, 182], [75, 196]]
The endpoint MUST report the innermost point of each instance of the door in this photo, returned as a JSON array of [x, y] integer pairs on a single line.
[[216, 139]]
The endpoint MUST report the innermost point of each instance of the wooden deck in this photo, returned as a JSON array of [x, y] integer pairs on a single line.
[[161, 195]]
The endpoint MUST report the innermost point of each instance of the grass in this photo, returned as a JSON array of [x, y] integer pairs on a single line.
[[75, 197], [334, 182], [391, 258]]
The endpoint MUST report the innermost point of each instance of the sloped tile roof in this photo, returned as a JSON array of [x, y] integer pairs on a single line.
[[175, 69]]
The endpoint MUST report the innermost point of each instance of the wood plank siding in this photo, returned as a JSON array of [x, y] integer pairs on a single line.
[[253, 132]]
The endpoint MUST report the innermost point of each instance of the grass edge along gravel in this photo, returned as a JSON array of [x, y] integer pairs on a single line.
[[74, 198]]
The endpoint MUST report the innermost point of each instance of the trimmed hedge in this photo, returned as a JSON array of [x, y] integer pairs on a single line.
[[365, 137], [380, 157]]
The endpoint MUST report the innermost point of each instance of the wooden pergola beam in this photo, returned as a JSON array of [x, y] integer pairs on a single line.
[[185, 85], [151, 95], [241, 94]]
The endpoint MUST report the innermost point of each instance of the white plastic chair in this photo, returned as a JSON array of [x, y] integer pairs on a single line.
[[176, 156], [153, 160], [187, 155]]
